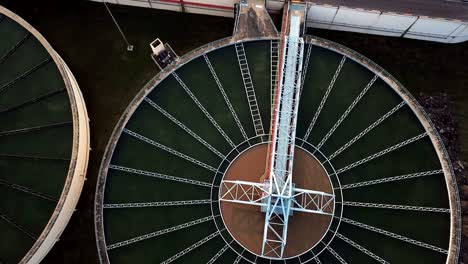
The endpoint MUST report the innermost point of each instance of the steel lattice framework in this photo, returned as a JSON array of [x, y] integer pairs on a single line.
[[276, 194]]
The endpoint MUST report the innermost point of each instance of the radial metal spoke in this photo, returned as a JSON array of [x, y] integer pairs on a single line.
[[14, 48], [190, 248], [35, 100], [237, 260], [346, 113], [27, 190], [17, 226], [365, 131], [391, 179], [30, 129], [185, 128], [156, 204], [203, 109], [217, 255], [160, 232], [336, 255], [306, 66], [362, 249], [226, 98], [160, 176], [249, 89], [170, 150], [25, 74], [397, 206], [380, 153], [324, 99], [393, 235]]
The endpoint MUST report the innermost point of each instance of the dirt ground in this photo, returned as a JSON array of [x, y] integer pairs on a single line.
[[246, 222]]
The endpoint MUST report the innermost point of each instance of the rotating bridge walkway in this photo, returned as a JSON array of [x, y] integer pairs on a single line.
[[279, 196]]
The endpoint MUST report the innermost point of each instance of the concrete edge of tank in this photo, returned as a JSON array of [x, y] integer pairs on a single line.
[[455, 231], [79, 159]]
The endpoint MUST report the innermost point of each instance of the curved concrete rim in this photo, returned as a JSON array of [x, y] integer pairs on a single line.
[[455, 231], [79, 158]]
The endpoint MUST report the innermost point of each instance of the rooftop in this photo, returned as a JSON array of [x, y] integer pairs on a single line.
[[457, 10]]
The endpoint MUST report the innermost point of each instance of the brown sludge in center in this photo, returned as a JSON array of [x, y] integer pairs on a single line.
[[246, 222]]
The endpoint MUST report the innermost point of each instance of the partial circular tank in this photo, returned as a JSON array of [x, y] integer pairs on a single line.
[[361, 135], [44, 142]]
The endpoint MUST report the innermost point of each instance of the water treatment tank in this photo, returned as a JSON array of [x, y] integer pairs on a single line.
[[44, 142], [360, 135]]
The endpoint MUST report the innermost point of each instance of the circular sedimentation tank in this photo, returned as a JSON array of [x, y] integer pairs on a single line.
[[44, 142], [360, 136]]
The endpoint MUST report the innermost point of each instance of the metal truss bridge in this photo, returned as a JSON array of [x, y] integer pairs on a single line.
[[276, 194]]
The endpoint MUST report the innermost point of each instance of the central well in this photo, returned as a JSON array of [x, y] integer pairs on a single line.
[[246, 222]]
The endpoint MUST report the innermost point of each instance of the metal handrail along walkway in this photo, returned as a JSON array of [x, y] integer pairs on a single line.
[[276, 194]]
